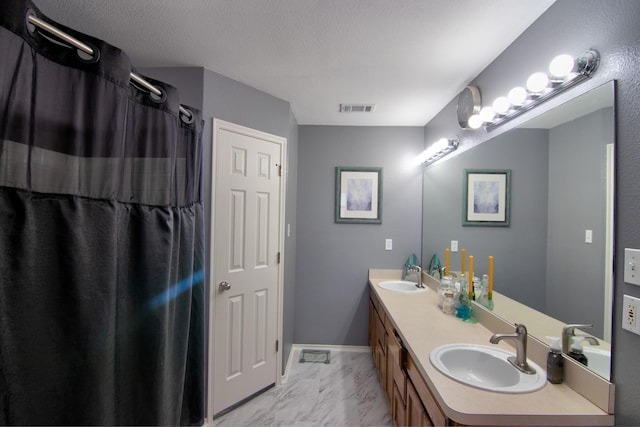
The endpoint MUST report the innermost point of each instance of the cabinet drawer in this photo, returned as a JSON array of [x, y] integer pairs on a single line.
[[434, 412]]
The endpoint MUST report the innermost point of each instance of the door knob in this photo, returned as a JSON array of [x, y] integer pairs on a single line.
[[224, 286]]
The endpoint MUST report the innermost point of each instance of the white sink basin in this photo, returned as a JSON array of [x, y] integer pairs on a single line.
[[486, 368], [599, 360], [401, 286]]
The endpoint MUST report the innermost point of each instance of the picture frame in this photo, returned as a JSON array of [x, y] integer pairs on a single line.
[[358, 195], [486, 197]]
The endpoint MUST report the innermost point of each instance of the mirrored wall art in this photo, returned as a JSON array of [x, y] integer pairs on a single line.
[[486, 197]]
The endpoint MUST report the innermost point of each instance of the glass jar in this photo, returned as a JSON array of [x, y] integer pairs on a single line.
[[445, 283], [477, 289], [482, 298], [448, 302]]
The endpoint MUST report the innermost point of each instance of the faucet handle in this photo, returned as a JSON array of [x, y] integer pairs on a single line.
[[569, 331], [521, 330], [414, 268]]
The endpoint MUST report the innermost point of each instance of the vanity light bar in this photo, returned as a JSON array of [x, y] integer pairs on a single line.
[[564, 73], [437, 150]]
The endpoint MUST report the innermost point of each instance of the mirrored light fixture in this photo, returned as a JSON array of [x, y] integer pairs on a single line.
[[501, 105], [565, 72], [517, 96], [537, 83], [437, 150]]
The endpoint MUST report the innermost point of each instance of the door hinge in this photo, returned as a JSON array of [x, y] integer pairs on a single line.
[[280, 170], [278, 258], [277, 345]]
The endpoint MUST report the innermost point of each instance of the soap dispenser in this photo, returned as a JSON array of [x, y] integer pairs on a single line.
[[577, 352], [555, 363]]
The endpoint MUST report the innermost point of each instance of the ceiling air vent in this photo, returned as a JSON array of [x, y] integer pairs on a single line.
[[357, 108]]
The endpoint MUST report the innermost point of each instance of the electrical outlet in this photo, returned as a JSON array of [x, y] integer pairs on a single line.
[[454, 246], [630, 307]]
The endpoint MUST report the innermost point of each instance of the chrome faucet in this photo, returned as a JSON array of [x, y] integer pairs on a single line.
[[443, 271], [520, 337], [569, 331], [416, 269]]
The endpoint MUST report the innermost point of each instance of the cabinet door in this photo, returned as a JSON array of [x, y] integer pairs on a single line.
[[398, 411], [381, 332], [381, 364], [396, 357], [372, 328], [435, 414], [388, 385], [416, 414]]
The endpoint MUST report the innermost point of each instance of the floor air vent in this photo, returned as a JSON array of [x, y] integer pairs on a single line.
[[315, 356], [357, 108]]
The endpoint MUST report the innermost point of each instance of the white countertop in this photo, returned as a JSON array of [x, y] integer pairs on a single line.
[[423, 327]]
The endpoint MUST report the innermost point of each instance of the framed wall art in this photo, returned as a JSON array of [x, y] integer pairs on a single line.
[[358, 198], [486, 194]]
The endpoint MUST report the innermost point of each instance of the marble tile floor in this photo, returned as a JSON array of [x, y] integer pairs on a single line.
[[345, 392]]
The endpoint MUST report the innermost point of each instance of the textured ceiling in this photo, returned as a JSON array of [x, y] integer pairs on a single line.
[[409, 57]]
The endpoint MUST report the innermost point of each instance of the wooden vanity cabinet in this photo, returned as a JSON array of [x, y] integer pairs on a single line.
[[409, 397]]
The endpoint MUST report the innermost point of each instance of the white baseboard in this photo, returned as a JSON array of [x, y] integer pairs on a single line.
[[294, 347]]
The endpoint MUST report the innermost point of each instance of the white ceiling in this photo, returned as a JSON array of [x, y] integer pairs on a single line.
[[409, 57]]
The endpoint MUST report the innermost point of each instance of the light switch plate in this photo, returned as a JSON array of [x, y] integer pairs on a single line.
[[588, 236], [632, 266], [388, 244]]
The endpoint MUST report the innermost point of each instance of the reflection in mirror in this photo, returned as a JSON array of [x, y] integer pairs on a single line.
[[556, 256]]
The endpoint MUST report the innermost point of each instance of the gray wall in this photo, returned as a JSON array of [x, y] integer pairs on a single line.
[[333, 259], [577, 191], [223, 98], [188, 80], [523, 244], [573, 26]]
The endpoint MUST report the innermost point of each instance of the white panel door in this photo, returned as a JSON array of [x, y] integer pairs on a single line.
[[247, 221]]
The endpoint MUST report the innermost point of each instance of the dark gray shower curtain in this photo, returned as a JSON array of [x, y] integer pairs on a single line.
[[101, 238]]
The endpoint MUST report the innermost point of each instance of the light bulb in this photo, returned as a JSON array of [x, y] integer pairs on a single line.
[[517, 96], [441, 144], [421, 158], [501, 105], [431, 151], [537, 82], [561, 66], [475, 122], [487, 114]]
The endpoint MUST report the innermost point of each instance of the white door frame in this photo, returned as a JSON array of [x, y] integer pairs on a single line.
[[218, 125], [609, 242]]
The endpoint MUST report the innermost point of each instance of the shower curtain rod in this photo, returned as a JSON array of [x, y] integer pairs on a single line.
[[89, 51]]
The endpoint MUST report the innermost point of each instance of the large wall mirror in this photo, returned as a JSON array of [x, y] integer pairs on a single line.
[[556, 255]]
